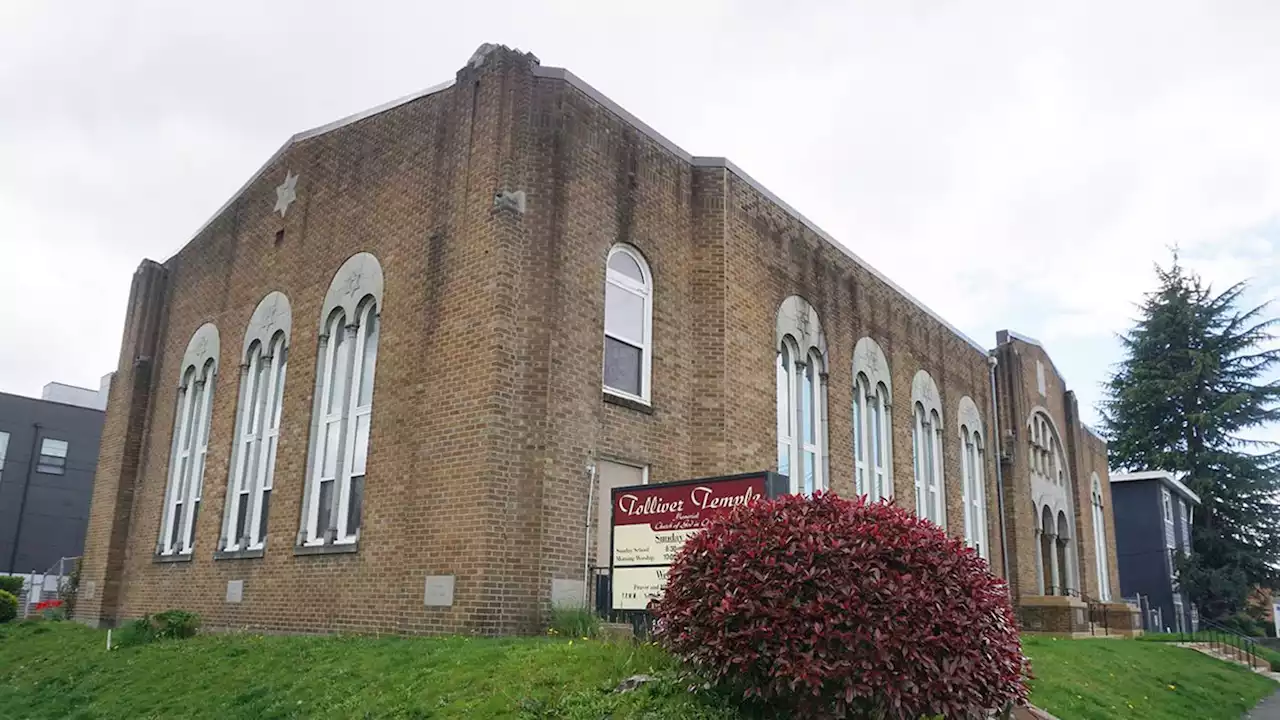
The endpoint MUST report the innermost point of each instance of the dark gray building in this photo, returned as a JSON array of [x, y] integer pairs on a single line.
[[1153, 515], [48, 454]]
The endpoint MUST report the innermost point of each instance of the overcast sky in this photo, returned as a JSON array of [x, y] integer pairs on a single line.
[[1014, 164]]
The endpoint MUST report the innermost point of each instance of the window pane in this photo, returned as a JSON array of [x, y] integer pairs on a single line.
[[806, 404], [622, 364], [330, 450], [361, 449], [269, 480], [370, 359], [4, 447], [325, 506], [335, 373], [623, 263], [808, 473], [242, 514], [176, 519], [264, 512], [279, 366], [784, 399], [784, 458], [876, 420], [623, 314], [54, 448], [859, 427], [355, 505]]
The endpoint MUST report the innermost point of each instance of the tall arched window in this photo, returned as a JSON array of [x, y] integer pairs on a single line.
[[973, 479], [346, 360], [1100, 541], [926, 438], [628, 322], [872, 428], [197, 376], [801, 372], [1051, 493], [253, 456]]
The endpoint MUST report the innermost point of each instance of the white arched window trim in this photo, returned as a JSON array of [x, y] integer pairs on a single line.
[[628, 302], [801, 372], [973, 476], [253, 455], [190, 445], [872, 424], [346, 361], [1100, 541], [927, 449], [1051, 491]]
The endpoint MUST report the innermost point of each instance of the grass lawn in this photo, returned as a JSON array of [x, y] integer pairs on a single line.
[[62, 670], [1086, 679]]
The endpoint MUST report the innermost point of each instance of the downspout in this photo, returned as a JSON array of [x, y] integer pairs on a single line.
[[992, 361], [22, 504], [586, 542]]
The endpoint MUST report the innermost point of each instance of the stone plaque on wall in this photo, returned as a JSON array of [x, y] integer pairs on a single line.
[[567, 593], [235, 591], [438, 591]]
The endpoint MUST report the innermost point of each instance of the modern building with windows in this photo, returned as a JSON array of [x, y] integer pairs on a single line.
[[48, 454], [403, 367], [1154, 513]]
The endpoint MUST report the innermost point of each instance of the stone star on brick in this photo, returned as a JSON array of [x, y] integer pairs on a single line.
[[286, 193]]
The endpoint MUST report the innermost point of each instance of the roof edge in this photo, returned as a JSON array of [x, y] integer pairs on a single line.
[[1162, 475]]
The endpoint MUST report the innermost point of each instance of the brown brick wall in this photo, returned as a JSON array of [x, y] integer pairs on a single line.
[[488, 405]]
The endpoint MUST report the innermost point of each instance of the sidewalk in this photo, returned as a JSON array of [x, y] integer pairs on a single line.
[[1268, 709]]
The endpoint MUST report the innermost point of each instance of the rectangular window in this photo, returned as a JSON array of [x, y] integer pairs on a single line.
[[53, 457], [4, 448], [1167, 502]]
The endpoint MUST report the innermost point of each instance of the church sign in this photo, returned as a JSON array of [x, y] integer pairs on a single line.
[[652, 522]]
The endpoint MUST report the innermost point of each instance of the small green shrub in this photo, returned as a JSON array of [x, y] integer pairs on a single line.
[[168, 625], [11, 584], [574, 622], [8, 606]]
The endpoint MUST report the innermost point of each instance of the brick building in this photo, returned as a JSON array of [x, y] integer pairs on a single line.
[[556, 300]]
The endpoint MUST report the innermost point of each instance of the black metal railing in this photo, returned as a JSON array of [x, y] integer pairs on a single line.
[[1098, 615], [1225, 642]]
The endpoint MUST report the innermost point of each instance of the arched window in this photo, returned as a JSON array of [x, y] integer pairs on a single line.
[[973, 480], [346, 360], [872, 429], [197, 376], [253, 456], [628, 322], [1051, 492], [926, 439], [1100, 541], [801, 396]]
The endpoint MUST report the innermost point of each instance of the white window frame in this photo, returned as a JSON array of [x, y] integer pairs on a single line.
[[927, 450], [252, 471], [973, 477], [643, 290], [193, 417], [1166, 499], [1101, 562], [872, 426], [52, 448], [352, 305], [799, 330]]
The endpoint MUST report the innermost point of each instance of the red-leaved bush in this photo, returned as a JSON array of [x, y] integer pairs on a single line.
[[825, 607]]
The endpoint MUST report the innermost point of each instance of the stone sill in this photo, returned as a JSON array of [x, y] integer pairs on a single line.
[[174, 558], [629, 403], [332, 549], [239, 554]]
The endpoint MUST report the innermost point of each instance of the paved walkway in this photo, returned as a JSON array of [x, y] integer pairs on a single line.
[[1268, 709]]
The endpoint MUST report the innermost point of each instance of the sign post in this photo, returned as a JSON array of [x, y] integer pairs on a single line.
[[652, 522]]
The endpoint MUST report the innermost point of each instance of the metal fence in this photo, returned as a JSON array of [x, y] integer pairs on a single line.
[[48, 585]]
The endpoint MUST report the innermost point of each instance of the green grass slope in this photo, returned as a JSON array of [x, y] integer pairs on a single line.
[[62, 670], [1104, 679]]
